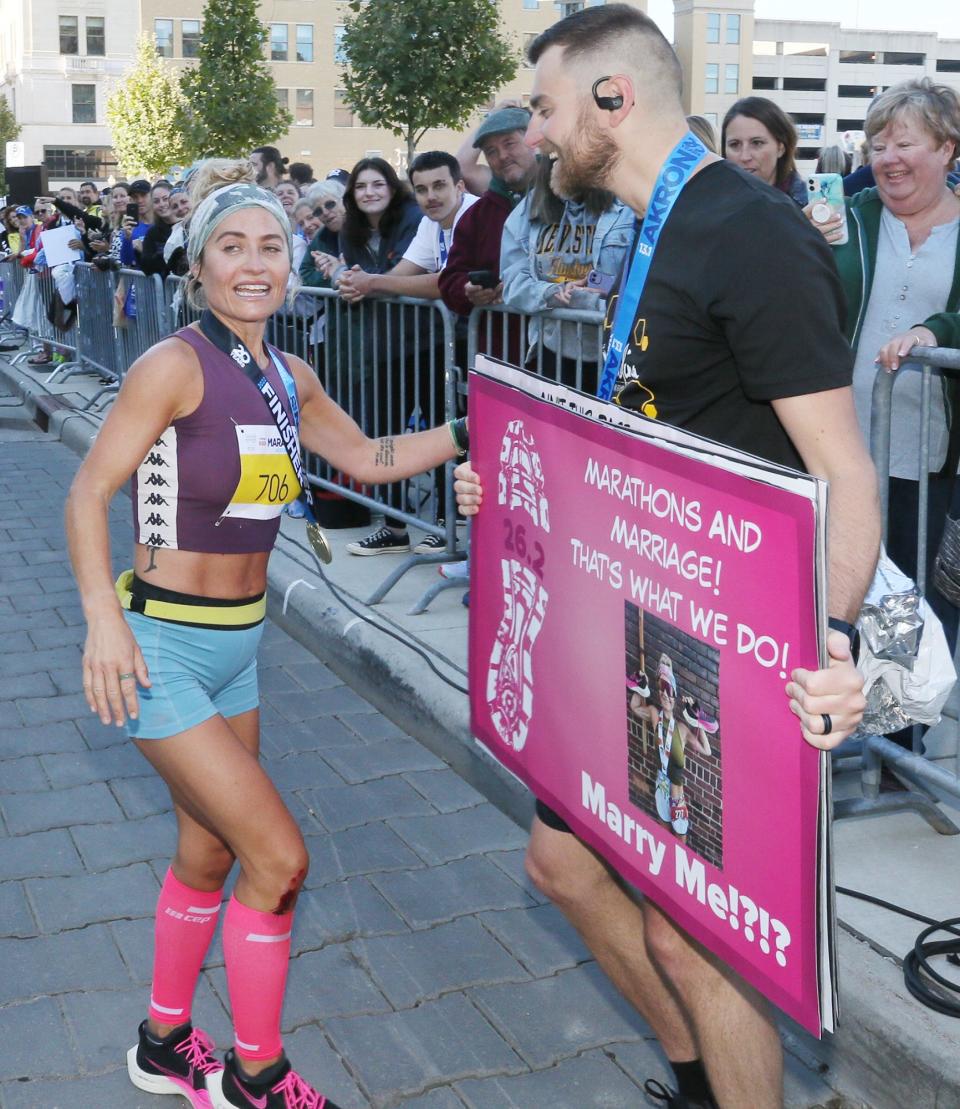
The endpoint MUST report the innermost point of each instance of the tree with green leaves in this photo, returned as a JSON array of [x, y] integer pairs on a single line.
[[145, 114], [231, 102], [412, 65], [9, 132]]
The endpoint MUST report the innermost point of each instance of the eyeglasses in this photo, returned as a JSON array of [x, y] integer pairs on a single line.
[[327, 206]]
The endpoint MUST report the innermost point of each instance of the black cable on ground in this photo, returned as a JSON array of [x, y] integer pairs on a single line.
[[318, 568], [918, 974]]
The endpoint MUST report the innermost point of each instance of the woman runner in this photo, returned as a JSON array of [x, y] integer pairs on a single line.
[[172, 648]]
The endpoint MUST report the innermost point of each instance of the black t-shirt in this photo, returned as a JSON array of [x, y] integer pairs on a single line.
[[742, 306]]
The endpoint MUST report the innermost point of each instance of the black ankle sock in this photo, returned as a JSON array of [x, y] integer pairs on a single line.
[[692, 1081], [265, 1077], [171, 1037]]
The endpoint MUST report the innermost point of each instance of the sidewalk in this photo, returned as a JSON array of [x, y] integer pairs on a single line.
[[427, 971]]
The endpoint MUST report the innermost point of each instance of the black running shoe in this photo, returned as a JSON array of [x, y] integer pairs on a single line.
[[656, 1091], [278, 1087], [180, 1063]]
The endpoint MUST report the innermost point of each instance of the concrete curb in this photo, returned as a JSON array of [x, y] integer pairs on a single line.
[[889, 1050]]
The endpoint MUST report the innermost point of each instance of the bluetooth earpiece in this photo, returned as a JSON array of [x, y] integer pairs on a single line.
[[607, 103]]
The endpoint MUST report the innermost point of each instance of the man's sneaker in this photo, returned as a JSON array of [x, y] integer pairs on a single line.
[[637, 683], [430, 544], [278, 1087], [656, 1091], [383, 541], [181, 1063], [694, 715]]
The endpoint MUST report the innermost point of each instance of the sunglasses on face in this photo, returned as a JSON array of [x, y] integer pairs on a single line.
[[327, 206]]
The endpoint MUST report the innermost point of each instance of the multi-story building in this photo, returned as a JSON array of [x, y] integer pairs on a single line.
[[823, 75], [60, 60]]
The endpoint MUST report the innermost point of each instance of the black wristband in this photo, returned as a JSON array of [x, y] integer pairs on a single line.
[[838, 625], [458, 429], [849, 630]]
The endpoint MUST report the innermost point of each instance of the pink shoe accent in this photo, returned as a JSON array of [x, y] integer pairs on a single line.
[[298, 1092], [185, 922], [256, 948]]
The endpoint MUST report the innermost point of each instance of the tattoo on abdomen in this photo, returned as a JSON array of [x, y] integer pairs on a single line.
[[385, 451], [152, 564]]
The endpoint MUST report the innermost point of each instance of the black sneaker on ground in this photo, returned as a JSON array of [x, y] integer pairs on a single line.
[[656, 1091], [430, 544], [382, 541], [181, 1063], [278, 1087]]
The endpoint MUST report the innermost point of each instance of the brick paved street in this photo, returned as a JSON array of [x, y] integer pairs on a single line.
[[426, 971]]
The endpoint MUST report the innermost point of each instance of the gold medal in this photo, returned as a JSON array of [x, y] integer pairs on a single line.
[[319, 543]]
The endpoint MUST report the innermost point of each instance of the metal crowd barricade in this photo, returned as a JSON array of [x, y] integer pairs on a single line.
[[64, 341], [11, 277], [927, 780], [98, 345], [571, 353], [146, 316], [390, 363]]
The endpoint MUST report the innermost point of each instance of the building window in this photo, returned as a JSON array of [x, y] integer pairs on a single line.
[[903, 57], [713, 26], [849, 125], [764, 82], [808, 118], [84, 103], [805, 49], [805, 84], [807, 153], [731, 78], [283, 98], [96, 43], [190, 37], [532, 5], [94, 162], [339, 56], [712, 82], [163, 33], [69, 34], [342, 113], [711, 118], [948, 65], [304, 42], [733, 29], [857, 57], [279, 42], [857, 92], [303, 116], [527, 39]]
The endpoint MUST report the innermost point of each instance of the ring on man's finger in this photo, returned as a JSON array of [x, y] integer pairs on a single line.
[[827, 723], [125, 677]]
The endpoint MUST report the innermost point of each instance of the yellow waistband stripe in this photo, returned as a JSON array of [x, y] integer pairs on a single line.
[[226, 616]]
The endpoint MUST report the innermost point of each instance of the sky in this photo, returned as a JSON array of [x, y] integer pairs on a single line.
[[940, 16]]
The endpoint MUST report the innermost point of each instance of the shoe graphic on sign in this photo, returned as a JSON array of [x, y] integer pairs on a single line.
[[520, 484], [510, 673]]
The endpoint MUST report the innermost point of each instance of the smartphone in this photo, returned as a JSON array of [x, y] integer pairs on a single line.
[[133, 210], [484, 278], [602, 283], [825, 191]]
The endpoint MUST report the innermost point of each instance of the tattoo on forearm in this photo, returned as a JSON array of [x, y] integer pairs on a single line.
[[152, 564], [386, 452]]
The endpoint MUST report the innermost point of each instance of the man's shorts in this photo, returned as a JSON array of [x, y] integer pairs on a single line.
[[195, 673], [553, 820]]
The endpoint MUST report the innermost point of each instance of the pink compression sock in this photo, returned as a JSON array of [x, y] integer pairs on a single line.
[[186, 921], [256, 948]]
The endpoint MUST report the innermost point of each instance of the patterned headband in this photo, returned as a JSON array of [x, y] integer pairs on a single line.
[[213, 209]]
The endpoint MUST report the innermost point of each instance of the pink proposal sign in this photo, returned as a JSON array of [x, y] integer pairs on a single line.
[[634, 615]]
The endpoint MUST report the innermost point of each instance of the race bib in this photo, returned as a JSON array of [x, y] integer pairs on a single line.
[[267, 479]]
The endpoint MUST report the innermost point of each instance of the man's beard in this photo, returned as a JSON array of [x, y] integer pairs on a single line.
[[587, 162], [262, 176]]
